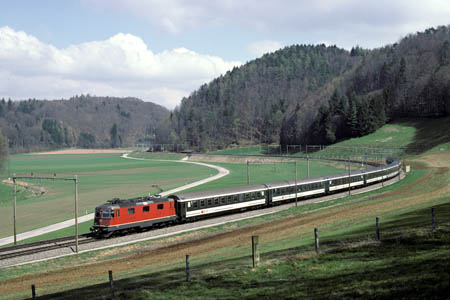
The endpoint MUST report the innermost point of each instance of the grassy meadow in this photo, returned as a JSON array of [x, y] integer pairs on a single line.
[[407, 137], [409, 262], [351, 263], [100, 177], [259, 173]]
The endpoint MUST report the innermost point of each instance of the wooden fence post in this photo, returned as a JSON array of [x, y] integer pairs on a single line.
[[433, 224], [255, 251], [111, 284], [316, 240], [33, 291], [188, 277], [377, 220]]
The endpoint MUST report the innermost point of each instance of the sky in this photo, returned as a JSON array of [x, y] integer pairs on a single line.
[[163, 50]]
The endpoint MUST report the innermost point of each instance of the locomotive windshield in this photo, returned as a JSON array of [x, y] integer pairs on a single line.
[[106, 214]]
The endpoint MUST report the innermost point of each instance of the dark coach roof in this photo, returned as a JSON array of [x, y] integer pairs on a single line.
[[218, 192]]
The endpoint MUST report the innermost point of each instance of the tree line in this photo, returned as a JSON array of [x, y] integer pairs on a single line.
[[81, 121]]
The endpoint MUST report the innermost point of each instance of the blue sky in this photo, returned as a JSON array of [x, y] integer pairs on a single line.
[[161, 51]]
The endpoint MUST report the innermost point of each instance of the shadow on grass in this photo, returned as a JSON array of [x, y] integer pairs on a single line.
[[429, 134], [407, 222], [404, 265]]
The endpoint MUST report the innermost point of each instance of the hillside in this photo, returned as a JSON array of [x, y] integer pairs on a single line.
[[82, 121], [317, 94], [407, 79], [250, 102]]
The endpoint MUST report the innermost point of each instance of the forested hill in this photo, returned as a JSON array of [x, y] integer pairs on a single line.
[[318, 94], [250, 102], [82, 121], [408, 79]]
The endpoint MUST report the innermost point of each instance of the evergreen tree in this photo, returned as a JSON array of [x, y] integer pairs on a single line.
[[444, 55], [363, 116], [53, 128], [114, 137], [3, 149], [352, 117]]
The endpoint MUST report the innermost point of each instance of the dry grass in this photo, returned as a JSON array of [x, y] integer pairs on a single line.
[[85, 151]]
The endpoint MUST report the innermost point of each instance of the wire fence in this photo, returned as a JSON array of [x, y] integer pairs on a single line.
[[355, 153], [254, 254]]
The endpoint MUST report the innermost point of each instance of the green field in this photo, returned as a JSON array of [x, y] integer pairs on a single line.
[[265, 173], [258, 173], [352, 264], [101, 177], [241, 151], [410, 261]]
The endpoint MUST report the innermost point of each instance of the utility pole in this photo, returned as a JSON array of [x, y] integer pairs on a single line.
[[248, 174], [14, 214], [307, 159], [295, 183], [9, 163], [349, 176], [76, 213], [75, 180]]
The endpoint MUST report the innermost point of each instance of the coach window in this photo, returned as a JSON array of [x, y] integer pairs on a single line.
[[146, 208], [216, 201], [117, 213], [160, 206], [253, 196], [223, 200], [195, 204], [131, 211], [202, 203], [209, 202]]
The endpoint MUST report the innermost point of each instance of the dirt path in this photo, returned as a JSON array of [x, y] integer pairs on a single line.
[[434, 183]]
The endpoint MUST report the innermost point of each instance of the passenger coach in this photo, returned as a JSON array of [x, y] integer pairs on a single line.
[[197, 204]]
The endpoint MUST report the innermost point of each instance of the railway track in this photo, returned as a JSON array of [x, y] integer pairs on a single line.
[[26, 250], [42, 246]]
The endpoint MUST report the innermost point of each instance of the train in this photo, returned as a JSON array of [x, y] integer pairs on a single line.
[[140, 213]]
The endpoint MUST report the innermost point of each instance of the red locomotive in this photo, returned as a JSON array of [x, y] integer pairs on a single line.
[[137, 213]]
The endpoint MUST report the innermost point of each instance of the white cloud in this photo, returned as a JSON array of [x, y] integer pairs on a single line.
[[120, 66], [370, 23], [262, 47]]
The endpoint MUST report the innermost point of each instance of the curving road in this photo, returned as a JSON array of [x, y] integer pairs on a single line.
[[25, 235]]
